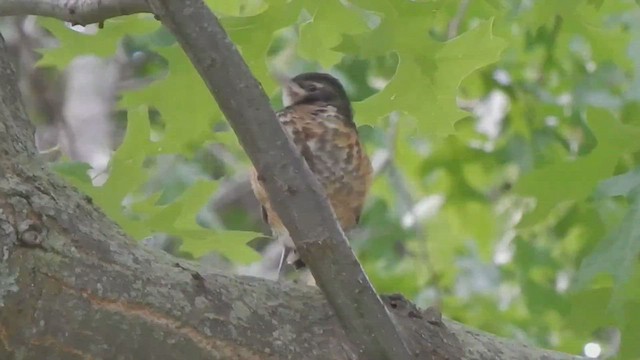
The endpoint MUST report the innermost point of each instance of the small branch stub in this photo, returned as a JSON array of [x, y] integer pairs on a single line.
[[31, 234]]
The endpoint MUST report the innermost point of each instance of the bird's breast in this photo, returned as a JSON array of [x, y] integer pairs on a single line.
[[333, 152]]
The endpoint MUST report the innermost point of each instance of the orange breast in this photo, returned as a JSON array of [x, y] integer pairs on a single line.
[[335, 155]]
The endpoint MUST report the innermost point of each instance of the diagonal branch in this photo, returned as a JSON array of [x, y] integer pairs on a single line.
[[292, 188]]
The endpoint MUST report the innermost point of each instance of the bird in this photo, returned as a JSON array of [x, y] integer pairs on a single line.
[[318, 118]]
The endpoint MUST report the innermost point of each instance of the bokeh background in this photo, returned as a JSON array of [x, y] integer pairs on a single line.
[[504, 133]]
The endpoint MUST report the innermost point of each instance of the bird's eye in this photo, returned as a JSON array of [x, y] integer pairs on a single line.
[[312, 87]]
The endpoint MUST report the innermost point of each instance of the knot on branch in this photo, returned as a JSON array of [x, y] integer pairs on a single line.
[[21, 222], [425, 334], [31, 234]]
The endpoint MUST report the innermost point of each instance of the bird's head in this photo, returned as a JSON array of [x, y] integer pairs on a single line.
[[317, 88]]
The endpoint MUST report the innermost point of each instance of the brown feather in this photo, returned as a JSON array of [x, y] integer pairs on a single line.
[[330, 146]]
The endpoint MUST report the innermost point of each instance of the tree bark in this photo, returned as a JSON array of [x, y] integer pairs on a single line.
[[72, 285]]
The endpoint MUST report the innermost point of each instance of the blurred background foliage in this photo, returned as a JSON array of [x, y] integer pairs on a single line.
[[505, 136]]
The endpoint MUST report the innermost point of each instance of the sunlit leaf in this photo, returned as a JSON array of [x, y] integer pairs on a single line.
[[74, 170], [232, 244], [425, 84], [329, 20]]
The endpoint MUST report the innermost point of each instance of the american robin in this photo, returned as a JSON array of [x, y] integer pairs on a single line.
[[318, 119]]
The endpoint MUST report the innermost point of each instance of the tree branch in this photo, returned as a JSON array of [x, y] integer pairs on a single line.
[[81, 12], [73, 286], [16, 134]]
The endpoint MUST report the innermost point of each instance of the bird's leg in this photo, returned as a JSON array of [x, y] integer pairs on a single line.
[[285, 254]]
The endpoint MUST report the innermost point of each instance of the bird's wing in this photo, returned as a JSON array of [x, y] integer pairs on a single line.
[[291, 122], [325, 142], [330, 148]]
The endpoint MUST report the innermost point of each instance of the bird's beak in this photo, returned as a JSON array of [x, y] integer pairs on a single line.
[[290, 90], [289, 85]]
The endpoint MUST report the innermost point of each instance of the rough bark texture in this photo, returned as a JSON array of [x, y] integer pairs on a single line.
[[73, 286]]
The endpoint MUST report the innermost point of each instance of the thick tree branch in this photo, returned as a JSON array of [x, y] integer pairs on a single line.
[[16, 135], [292, 188], [75, 11], [73, 286]]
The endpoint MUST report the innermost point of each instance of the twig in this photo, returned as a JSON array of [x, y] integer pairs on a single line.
[[75, 11], [454, 25]]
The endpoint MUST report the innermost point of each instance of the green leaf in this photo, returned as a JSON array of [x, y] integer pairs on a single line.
[[476, 220], [127, 172], [232, 244], [607, 43], [254, 34], [575, 180], [544, 12], [234, 7], [592, 302], [73, 170], [126, 175], [426, 86], [184, 101], [618, 253], [330, 19], [103, 44], [195, 198], [620, 185]]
